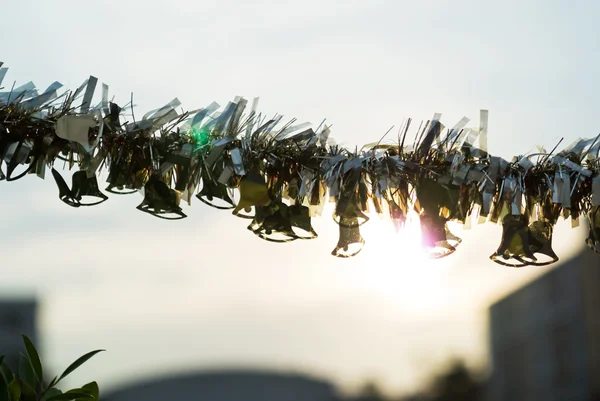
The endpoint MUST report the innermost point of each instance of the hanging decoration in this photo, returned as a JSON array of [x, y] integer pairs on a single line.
[[283, 174]]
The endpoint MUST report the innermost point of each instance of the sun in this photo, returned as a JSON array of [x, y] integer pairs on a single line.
[[398, 268]]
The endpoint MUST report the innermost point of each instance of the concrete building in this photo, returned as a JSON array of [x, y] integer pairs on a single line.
[[16, 317], [545, 337], [228, 386]]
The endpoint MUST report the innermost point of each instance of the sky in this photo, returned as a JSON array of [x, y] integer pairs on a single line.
[[203, 292]]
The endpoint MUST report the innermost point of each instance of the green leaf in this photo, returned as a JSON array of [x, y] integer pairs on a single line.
[[69, 396], [78, 363], [3, 384], [81, 393], [34, 358], [3, 390], [6, 373], [27, 392], [6, 376], [51, 393], [93, 389], [14, 390], [53, 382], [26, 371]]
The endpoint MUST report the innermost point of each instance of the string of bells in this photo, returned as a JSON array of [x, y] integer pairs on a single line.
[[284, 175]]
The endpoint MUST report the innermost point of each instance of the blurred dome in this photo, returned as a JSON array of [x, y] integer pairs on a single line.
[[228, 386]]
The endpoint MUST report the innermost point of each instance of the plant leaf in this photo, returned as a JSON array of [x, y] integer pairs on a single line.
[[81, 394], [3, 383], [51, 393], [6, 373], [26, 371], [3, 389], [78, 363], [34, 358], [69, 396], [14, 390], [93, 389], [53, 382], [27, 392]]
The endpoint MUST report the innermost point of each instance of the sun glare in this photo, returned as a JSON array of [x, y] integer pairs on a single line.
[[399, 268]]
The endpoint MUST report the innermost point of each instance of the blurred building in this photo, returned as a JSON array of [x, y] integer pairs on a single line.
[[545, 337], [228, 386], [16, 317]]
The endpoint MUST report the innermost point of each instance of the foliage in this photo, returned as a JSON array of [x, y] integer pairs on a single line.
[[456, 384], [27, 383], [370, 392]]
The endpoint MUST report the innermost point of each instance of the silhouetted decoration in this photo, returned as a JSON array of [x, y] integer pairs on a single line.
[[300, 218], [350, 242], [15, 153], [540, 242], [82, 186], [515, 243], [269, 171], [272, 221], [438, 204], [253, 192], [161, 201], [212, 190], [520, 242], [437, 240], [593, 239]]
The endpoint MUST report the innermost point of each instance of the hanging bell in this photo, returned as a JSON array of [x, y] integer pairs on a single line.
[[127, 177], [347, 205], [3, 144], [397, 215], [213, 190], [118, 182], [515, 243], [16, 153], [182, 166], [359, 215], [300, 218], [86, 186], [272, 221], [350, 242], [593, 239], [261, 213], [160, 200], [437, 204], [64, 193], [434, 197], [540, 242], [82, 186], [347, 208], [253, 192], [436, 239]]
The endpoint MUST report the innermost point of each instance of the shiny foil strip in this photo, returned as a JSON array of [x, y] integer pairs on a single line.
[[280, 174]]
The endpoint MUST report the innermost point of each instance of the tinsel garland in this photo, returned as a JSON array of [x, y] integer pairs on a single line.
[[284, 173]]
